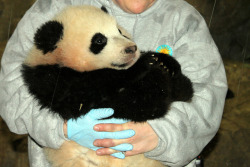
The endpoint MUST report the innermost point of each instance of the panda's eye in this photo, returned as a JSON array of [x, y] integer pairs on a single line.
[[99, 39], [98, 43]]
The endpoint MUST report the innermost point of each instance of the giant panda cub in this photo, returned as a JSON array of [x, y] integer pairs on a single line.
[[82, 60]]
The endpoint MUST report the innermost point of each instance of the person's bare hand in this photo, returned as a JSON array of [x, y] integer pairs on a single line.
[[144, 140]]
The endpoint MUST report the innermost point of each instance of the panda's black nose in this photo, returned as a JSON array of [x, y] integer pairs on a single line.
[[131, 49]]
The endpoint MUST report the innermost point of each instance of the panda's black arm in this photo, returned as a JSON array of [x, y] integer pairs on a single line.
[[54, 89], [152, 84], [64, 91], [181, 89], [161, 61], [71, 94], [41, 82]]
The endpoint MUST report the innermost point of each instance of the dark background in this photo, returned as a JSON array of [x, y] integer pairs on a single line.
[[229, 24]]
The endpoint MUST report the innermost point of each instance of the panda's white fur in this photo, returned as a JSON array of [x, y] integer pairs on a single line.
[[80, 24], [73, 155]]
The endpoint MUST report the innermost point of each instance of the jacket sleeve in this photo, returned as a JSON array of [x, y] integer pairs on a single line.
[[19, 109], [188, 127]]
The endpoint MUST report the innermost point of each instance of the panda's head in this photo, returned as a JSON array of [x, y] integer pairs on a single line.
[[83, 38]]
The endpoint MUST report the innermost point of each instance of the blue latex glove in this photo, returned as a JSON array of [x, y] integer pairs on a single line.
[[121, 147], [81, 130]]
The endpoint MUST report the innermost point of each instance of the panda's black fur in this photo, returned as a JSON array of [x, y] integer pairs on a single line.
[[48, 35], [140, 93]]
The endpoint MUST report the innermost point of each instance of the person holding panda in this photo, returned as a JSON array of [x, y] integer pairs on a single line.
[[165, 25]]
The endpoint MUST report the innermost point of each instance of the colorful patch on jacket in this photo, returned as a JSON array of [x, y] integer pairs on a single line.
[[165, 49]]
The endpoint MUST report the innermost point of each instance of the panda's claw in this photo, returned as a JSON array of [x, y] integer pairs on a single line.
[[159, 61]]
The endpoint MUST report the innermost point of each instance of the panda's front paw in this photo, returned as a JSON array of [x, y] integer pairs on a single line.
[[158, 63], [166, 63]]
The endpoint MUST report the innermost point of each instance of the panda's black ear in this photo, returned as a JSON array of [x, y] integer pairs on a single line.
[[47, 36], [104, 9]]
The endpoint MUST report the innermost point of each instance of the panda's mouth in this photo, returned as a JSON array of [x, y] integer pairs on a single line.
[[123, 65], [119, 65]]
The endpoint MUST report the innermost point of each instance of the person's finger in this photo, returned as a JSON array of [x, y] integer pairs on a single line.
[[104, 143], [105, 151], [100, 113], [111, 127], [117, 135], [111, 142], [131, 153], [112, 121], [109, 151], [123, 147]]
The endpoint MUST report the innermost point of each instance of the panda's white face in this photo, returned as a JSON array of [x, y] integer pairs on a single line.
[[90, 39]]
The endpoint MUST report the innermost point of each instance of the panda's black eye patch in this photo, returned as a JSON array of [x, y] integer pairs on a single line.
[[98, 42]]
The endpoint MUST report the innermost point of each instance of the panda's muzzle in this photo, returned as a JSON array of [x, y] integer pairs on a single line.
[[129, 57]]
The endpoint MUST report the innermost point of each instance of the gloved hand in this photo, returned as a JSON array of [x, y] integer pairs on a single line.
[[81, 130]]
